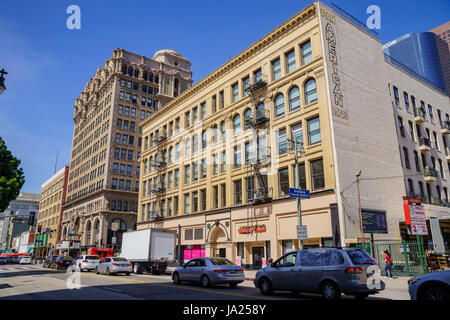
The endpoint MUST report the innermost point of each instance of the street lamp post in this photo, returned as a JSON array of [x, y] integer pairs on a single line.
[[359, 206], [298, 146], [2, 81]]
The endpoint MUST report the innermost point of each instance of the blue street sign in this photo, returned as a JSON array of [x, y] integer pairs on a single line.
[[70, 234], [299, 193]]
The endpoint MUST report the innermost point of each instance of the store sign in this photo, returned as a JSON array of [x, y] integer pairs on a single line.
[[374, 221], [255, 229], [62, 245], [415, 216], [239, 260]]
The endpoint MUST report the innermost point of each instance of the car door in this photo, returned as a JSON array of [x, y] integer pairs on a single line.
[[198, 270], [186, 271], [333, 266], [101, 266], [308, 271], [281, 272]]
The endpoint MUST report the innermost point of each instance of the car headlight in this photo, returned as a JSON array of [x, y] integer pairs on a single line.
[[413, 281]]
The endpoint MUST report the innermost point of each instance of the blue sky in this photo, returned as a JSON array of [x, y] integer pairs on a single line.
[[49, 65]]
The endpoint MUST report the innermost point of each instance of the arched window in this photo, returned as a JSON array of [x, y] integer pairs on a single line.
[[151, 164], [294, 98], [310, 91], [187, 147], [279, 105], [215, 134], [165, 156], [195, 143], [223, 130], [237, 124], [130, 71], [145, 165], [248, 118], [145, 75], [204, 139], [150, 77], [136, 73], [170, 154], [124, 69]]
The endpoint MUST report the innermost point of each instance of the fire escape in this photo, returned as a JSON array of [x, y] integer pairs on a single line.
[[160, 166], [258, 121]]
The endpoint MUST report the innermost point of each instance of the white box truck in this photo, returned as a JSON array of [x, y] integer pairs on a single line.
[[149, 250]]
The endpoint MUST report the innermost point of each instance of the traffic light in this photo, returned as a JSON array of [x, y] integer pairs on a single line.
[[31, 218]]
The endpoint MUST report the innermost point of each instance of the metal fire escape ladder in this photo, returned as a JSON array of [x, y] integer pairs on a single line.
[[160, 166]]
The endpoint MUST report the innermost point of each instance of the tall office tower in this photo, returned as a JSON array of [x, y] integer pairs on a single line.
[[419, 52], [443, 41], [103, 185]]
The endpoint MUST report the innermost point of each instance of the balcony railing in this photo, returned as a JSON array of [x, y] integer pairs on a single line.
[[159, 139], [421, 113], [424, 142], [430, 172], [257, 84], [260, 117], [158, 190], [259, 195], [445, 125]]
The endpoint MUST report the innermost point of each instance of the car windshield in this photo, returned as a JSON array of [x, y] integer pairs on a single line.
[[222, 262], [92, 257], [120, 259], [360, 257]]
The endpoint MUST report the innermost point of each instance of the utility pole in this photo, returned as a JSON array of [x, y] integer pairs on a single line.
[[359, 205]]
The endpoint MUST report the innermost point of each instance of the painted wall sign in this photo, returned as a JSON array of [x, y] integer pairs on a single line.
[[334, 69]]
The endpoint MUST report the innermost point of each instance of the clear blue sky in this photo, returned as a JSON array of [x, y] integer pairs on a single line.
[[49, 65]]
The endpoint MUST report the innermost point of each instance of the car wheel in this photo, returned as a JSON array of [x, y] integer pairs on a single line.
[[265, 287], [127, 273], [205, 281], [137, 268], [436, 294], [330, 291], [96, 270], [176, 278], [361, 296], [233, 284]]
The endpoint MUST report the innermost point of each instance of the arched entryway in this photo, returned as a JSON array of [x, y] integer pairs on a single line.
[[122, 227], [88, 233], [218, 239]]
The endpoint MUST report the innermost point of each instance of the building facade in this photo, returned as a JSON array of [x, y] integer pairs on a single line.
[[16, 218], [104, 170], [53, 194], [443, 42], [218, 161]]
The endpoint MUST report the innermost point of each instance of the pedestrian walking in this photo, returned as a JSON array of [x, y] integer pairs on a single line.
[[388, 261]]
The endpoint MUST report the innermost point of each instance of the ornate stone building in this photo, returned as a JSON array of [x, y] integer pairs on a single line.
[[104, 169]]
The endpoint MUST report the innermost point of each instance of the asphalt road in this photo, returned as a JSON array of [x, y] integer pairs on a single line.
[[32, 282]]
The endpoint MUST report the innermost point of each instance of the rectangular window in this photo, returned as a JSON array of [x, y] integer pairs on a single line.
[[283, 182], [282, 142], [195, 112], [406, 156], [317, 175], [187, 174], [223, 197], [237, 157], [187, 205], [203, 200], [238, 192], [276, 69], [194, 201], [297, 133], [170, 180], [290, 61], [235, 92], [203, 168], [223, 162], [195, 171], [245, 85], [314, 131], [306, 52], [203, 110], [177, 178]]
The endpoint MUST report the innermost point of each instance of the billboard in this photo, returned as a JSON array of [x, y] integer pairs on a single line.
[[374, 221], [415, 216]]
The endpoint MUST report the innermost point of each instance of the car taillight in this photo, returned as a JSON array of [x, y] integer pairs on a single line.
[[354, 270], [114, 264], [85, 260], [240, 271], [221, 271], [130, 265], [61, 261]]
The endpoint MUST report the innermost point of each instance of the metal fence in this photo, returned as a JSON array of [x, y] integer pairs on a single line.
[[408, 257]]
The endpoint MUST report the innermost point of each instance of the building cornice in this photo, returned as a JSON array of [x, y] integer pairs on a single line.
[[242, 57]]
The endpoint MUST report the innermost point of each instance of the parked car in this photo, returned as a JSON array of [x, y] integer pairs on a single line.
[[86, 262], [10, 260], [112, 265], [61, 263], [430, 286], [327, 271], [25, 260], [48, 261], [3, 260], [209, 271]]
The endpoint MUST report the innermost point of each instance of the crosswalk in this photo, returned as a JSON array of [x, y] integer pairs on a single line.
[[19, 267]]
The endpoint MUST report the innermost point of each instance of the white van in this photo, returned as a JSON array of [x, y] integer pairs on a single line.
[[25, 260]]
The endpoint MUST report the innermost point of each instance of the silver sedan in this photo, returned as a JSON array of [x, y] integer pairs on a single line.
[[209, 271], [112, 265]]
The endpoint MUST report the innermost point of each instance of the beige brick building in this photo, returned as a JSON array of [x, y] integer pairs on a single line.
[[104, 168], [53, 194]]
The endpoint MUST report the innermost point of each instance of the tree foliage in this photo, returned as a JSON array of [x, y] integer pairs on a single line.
[[11, 176]]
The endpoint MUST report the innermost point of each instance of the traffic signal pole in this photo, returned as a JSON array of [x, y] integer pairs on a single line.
[[297, 186]]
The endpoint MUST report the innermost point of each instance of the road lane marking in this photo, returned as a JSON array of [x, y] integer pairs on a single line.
[[180, 287]]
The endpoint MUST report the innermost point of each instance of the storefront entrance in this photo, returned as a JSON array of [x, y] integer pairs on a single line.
[[257, 254], [219, 252]]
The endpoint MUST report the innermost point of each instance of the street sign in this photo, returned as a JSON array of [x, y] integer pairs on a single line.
[[302, 233], [70, 234], [299, 193], [114, 226], [113, 240], [415, 217]]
